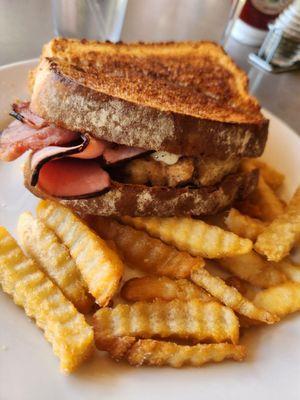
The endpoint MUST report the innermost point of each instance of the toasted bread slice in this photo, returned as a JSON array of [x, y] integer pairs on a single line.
[[185, 98], [141, 200]]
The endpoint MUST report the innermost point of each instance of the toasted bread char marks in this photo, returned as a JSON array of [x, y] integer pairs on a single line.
[[146, 96], [139, 200], [199, 72]]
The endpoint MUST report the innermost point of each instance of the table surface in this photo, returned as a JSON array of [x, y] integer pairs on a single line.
[[26, 25]]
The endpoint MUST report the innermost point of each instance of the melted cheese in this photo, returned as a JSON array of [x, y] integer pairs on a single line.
[[165, 157]]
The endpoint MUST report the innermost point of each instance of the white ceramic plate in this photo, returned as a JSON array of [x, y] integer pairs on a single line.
[[29, 370]]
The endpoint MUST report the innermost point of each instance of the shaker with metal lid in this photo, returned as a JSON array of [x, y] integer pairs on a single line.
[[280, 50]]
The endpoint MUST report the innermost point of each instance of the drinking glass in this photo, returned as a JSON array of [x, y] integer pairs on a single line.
[[90, 19]]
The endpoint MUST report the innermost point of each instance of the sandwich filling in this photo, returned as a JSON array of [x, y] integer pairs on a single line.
[[67, 164]]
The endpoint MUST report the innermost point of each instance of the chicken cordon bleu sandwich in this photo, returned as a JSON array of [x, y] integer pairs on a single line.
[[137, 129]]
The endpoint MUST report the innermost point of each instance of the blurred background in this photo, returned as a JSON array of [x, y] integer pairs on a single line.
[[25, 25]]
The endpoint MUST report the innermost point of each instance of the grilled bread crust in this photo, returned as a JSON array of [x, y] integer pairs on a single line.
[[141, 200], [184, 98]]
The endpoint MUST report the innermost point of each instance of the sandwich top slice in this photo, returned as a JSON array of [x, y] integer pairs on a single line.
[[139, 129]]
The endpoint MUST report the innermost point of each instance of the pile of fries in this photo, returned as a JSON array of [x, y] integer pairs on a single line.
[[197, 283]]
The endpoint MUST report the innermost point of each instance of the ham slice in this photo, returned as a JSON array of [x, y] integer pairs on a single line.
[[94, 149], [67, 172], [118, 152], [18, 138], [31, 132], [89, 148], [60, 167], [70, 177], [21, 111]]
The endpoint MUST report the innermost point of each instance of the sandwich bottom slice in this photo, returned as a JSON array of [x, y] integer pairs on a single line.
[[141, 200]]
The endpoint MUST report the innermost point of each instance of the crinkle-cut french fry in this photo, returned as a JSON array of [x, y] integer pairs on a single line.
[[280, 300], [282, 234], [230, 296], [245, 288], [158, 353], [262, 202], [117, 347], [243, 225], [64, 327], [41, 243], [291, 270], [100, 266], [150, 288], [271, 176], [194, 236], [175, 319], [253, 269], [269, 205], [145, 253], [250, 208], [214, 268], [247, 291], [216, 219]]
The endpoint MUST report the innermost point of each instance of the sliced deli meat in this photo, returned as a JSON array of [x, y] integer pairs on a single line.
[[119, 152], [71, 177], [21, 111], [86, 148], [19, 137], [94, 148], [63, 162], [31, 132], [41, 157]]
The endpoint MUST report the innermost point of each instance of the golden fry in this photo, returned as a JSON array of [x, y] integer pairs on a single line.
[[280, 300], [254, 269], [145, 253], [116, 346], [247, 291], [194, 236], [230, 296], [214, 268], [243, 225], [262, 202], [100, 266], [150, 288], [175, 319], [245, 288], [282, 234], [64, 327], [216, 219], [271, 176], [291, 270], [157, 353], [43, 246]]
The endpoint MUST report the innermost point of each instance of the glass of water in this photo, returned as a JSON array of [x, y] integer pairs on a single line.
[[90, 19]]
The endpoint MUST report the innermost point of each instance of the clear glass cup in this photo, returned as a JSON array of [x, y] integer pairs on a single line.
[[90, 19], [235, 11]]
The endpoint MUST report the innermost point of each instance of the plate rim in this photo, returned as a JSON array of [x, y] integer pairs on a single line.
[[18, 63]]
